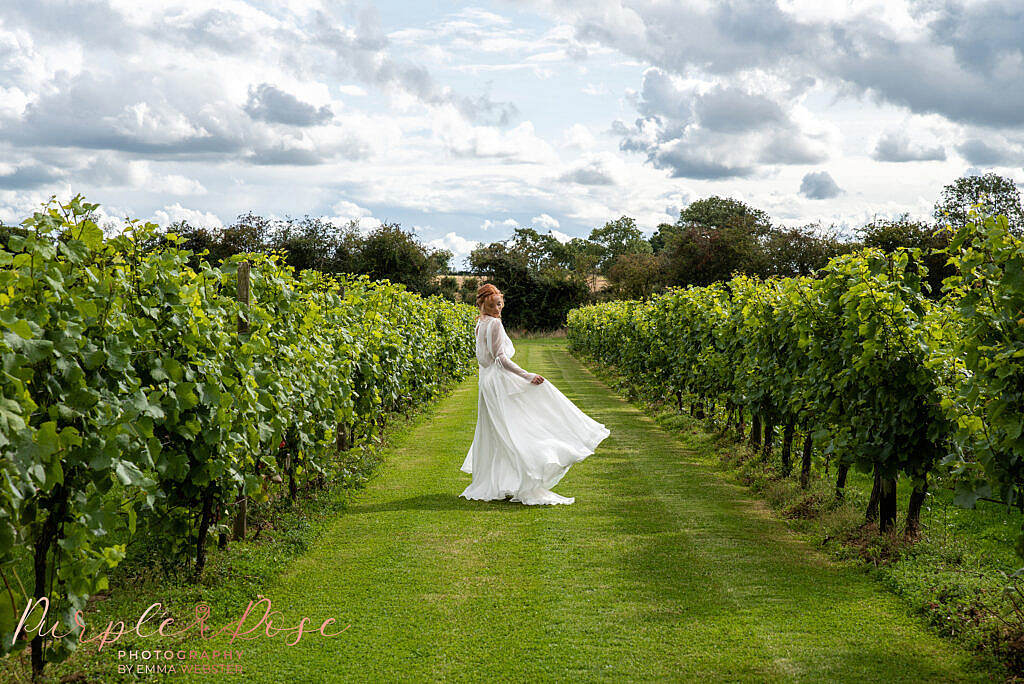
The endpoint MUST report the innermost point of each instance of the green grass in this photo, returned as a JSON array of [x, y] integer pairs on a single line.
[[664, 569], [955, 573], [233, 575], [661, 570]]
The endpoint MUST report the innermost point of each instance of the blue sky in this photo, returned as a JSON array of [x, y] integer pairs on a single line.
[[462, 120]]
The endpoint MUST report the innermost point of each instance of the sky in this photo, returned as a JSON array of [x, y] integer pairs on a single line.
[[464, 120]]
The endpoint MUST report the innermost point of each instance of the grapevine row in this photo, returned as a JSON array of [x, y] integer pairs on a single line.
[[857, 358], [136, 390]]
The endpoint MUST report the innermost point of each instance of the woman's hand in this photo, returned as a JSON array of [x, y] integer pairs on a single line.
[[537, 379]]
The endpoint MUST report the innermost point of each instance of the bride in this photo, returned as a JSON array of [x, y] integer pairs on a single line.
[[527, 432]]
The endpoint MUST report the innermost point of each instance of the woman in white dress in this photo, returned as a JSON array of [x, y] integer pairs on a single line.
[[527, 432]]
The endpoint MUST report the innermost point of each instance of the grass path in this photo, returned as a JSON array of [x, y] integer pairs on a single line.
[[660, 570]]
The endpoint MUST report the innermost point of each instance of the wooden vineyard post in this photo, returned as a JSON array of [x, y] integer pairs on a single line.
[[241, 502], [243, 296]]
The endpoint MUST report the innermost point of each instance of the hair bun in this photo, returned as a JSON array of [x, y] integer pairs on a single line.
[[484, 291]]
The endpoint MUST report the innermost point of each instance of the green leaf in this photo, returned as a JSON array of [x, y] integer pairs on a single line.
[[90, 234], [114, 554], [22, 329], [967, 496], [54, 474], [128, 473], [46, 439]]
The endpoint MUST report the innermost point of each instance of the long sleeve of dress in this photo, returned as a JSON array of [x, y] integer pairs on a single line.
[[495, 338]]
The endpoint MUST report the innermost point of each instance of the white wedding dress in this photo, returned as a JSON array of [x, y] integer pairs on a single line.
[[526, 435]]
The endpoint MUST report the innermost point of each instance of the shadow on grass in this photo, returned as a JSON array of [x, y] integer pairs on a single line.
[[448, 501]]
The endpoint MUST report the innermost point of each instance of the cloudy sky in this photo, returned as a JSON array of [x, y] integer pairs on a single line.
[[462, 120]]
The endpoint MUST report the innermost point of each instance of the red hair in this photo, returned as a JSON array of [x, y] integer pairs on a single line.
[[486, 296]]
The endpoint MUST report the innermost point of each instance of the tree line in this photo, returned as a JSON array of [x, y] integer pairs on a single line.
[[713, 239], [544, 278]]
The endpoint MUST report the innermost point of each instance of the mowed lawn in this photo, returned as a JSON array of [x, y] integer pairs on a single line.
[[661, 570]]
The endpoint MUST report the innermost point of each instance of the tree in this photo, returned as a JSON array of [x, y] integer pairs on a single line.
[[662, 235], [583, 256], [467, 292], [249, 233], [799, 251], [701, 255], [717, 237], [891, 234], [308, 243], [723, 212], [393, 253], [714, 238], [618, 237], [448, 287], [389, 252], [635, 276], [347, 249], [539, 292], [999, 195], [540, 251]]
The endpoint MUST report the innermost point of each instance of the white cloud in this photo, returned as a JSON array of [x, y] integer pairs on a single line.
[[507, 111], [592, 173], [175, 212], [111, 170], [349, 209], [176, 184], [458, 245], [544, 221], [509, 223], [579, 137], [351, 90], [345, 211], [519, 144]]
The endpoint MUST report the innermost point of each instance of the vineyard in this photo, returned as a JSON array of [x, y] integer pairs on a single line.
[[860, 365], [151, 400], [148, 393]]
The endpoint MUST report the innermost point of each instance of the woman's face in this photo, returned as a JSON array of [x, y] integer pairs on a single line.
[[493, 305]]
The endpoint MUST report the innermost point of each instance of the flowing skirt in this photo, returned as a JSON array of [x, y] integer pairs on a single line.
[[527, 436]]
